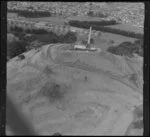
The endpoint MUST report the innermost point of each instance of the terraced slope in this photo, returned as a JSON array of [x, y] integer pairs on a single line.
[[75, 93]]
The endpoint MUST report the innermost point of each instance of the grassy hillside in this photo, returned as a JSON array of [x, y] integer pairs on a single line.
[[52, 93]]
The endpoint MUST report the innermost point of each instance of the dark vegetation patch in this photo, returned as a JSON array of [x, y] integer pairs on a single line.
[[36, 39], [138, 112], [128, 48], [138, 117], [15, 48], [138, 124], [30, 14], [101, 26], [91, 23], [21, 57], [99, 14], [53, 91], [84, 42]]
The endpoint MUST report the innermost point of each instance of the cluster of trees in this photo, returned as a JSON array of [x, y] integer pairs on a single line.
[[29, 37], [100, 14], [28, 30], [52, 37], [15, 48], [32, 13], [45, 36], [84, 42], [101, 26], [128, 48]]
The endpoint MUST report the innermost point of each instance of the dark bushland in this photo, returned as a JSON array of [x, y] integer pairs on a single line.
[[15, 48], [128, 48], [35, 38]]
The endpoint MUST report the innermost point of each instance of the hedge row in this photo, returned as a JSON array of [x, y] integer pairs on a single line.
[[100, 26], [29, 30], [89, 23], [31, 14]]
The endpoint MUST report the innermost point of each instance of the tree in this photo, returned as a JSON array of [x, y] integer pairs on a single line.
[[90, 13], [84, 42], [92, 41]]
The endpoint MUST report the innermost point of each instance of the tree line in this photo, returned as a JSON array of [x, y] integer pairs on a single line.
[[101, 26], [31, 14], [92, 23]]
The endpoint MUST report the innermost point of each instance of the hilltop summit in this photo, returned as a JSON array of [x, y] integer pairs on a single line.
[[73, 92]]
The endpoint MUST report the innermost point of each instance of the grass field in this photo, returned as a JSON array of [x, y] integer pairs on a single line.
[[104, 43], [11, 15], [52, 20], [127, 27], [56, 20]]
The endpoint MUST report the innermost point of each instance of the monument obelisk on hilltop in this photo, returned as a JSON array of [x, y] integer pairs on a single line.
[[89, 39]]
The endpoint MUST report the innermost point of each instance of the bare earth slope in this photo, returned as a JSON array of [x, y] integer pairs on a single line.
[[76, 93]]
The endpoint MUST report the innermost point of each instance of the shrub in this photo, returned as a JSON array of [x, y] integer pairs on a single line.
[[102, 15], [138, 124], [112, 50], [84, 42], [92, 41], [15, 48], [90, 13], [11, 37], [36, 31], [70, 37], [16, 29], [126, 48], [47, 38], [21, 57]]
